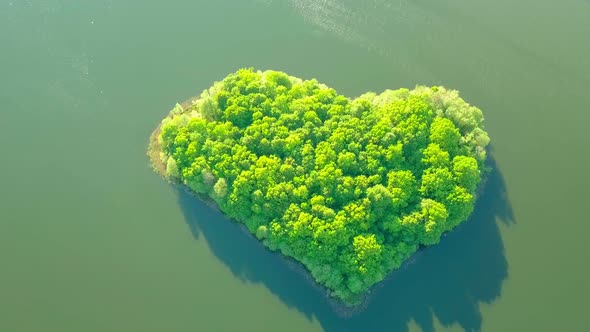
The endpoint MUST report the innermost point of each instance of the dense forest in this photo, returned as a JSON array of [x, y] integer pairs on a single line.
[[350, 188]]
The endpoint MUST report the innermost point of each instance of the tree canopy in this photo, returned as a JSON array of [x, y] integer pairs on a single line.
[[350, 188]]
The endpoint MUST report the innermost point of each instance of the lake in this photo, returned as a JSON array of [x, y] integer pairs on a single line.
[[92, 240]]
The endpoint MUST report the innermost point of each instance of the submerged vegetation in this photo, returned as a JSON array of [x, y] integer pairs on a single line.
[[350, 188]]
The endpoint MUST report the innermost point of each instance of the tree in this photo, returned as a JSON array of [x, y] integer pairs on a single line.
[[435, 217], [220, 190], [172, 168], [402, 185], [367, 253], [437, 183], [466, 172], [444, 133], [382, 201], [434, 156]]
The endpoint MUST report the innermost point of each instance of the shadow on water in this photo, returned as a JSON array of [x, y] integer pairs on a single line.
[[447, 281]]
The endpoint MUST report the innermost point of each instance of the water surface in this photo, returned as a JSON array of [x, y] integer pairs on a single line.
[[92, 240]]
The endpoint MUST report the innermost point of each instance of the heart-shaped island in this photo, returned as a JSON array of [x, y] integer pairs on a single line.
[[349, 188]]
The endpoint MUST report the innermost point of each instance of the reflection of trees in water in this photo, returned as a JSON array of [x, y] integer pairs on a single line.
[[447, 281]]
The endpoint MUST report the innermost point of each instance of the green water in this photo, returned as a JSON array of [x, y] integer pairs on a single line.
[[92, 240]]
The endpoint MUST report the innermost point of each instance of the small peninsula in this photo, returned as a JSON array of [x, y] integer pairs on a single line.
[[350, 188]]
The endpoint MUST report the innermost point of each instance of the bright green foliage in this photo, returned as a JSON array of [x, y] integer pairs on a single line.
[[349, 188], [172, 168]]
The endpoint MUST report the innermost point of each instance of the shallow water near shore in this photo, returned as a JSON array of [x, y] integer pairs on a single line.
[[91, 239]]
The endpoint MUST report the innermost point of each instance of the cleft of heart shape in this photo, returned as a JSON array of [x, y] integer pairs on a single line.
[[349, 188]]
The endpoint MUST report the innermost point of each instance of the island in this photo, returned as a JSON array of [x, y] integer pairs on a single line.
[[350, 188]]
